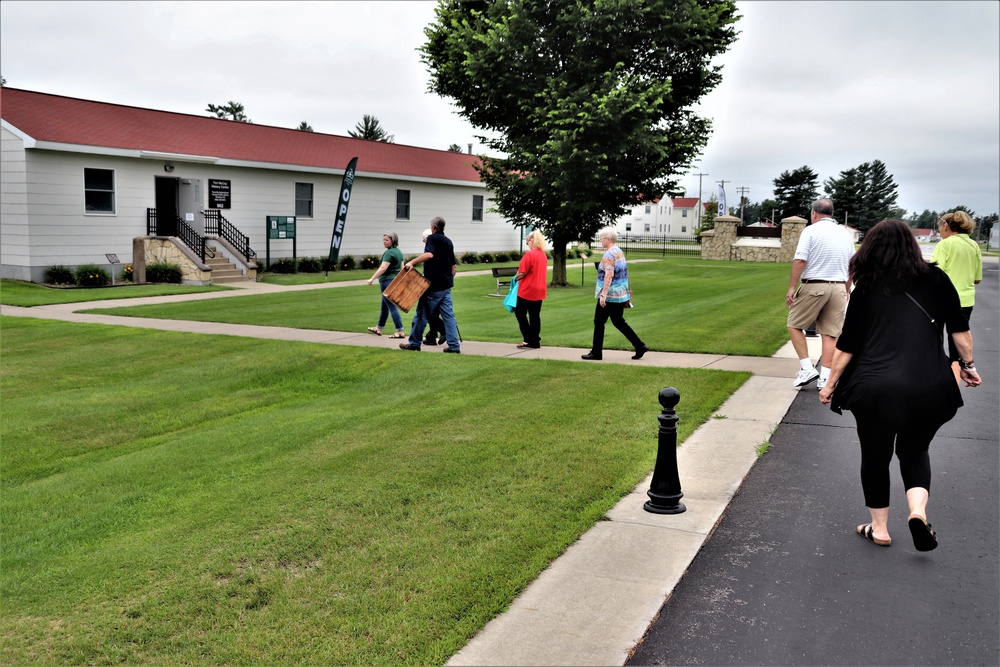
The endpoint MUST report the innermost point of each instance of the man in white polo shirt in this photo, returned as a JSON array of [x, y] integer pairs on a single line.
[[820, 262]]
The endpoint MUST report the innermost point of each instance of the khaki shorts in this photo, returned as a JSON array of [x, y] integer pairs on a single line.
[[822, 303]]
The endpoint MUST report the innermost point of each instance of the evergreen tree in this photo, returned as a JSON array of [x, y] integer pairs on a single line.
[[370, 128], [305, 127], [230, 111], [795, 191], [454, 148], [864, 195]]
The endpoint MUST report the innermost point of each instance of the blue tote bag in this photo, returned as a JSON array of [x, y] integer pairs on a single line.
[[511, 299]]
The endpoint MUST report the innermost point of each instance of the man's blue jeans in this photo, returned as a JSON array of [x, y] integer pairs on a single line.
[[429, 302]]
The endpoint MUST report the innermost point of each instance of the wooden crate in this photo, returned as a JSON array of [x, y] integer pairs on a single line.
[[406, 289]]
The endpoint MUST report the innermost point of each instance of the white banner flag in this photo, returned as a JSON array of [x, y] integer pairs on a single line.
[[722, 200]]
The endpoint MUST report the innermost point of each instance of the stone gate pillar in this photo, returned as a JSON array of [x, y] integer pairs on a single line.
[[791, 230]]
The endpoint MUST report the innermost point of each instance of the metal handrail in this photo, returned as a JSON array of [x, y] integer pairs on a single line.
[[219, 226], [192, 239], [184, 232]]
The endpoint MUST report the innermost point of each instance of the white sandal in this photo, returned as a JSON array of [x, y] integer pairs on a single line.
[[375, 330]]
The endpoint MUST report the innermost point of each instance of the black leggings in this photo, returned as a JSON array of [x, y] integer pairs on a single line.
[[877, 443], [616, 313]]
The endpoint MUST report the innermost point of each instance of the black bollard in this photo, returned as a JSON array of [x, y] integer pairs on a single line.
[[665, 490]]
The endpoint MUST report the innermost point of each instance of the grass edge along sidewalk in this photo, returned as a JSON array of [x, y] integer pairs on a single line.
[[683, 305], [305, 503]]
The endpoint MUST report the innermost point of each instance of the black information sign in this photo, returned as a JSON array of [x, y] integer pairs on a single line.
[[219, 193], [281, 226]]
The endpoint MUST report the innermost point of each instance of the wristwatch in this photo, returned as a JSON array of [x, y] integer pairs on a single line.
[[969, 365]]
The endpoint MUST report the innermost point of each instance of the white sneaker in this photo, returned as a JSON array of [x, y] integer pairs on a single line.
[[806, 376], [820, 383]]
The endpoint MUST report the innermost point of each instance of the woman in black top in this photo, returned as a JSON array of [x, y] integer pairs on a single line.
[[890, 370]]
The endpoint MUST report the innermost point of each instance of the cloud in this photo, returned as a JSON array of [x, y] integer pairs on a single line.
[[825, 84]]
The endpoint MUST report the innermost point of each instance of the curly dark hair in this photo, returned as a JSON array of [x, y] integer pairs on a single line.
[[889, 259]]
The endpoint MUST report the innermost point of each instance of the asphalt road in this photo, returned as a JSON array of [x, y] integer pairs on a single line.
[[785, 581]]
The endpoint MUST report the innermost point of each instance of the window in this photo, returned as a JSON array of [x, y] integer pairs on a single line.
[[684, 229], [99, 190], [402, 204], [684, 213], [649, 209], [304, 200], [477, 208], [647, 228], [628, 226]]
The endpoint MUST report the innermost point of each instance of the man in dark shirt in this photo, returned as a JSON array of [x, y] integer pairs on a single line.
[[439, 256]]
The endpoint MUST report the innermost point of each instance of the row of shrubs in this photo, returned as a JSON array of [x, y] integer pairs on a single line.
[[371, 262], [94, 275]]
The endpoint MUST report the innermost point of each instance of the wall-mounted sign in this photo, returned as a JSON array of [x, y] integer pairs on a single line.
[[219, 193], [281, 226]]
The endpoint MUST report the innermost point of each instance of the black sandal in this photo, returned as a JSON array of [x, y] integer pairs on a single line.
[[924, 539], [866, 531]]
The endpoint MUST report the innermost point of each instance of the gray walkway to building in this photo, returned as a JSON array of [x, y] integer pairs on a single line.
[[594, 604]]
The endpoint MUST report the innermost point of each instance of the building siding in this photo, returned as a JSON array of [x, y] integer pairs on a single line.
[[44, 221]]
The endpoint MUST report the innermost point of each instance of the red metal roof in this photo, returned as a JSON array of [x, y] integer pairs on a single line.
[[53, 118], [685, 202]]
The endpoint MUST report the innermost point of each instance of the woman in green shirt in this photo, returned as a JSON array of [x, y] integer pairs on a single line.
[[392, 261], [960, 258]]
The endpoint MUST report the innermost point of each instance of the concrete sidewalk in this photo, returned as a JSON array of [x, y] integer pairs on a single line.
[[594, 603]]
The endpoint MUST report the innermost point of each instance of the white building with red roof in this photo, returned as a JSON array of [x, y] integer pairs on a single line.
[[666, 217], [80, 179]]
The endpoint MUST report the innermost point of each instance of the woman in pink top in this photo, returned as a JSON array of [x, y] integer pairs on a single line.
[[532, 275]]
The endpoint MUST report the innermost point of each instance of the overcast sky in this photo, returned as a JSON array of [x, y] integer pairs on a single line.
[[825, 84]]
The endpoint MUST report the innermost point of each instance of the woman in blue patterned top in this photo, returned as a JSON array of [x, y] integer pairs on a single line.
[[612, 295]]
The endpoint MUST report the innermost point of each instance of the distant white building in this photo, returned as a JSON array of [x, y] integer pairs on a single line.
[[672, 218]]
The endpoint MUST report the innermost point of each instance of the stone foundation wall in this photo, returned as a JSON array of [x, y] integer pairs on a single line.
[[150, 249], [722, 243]]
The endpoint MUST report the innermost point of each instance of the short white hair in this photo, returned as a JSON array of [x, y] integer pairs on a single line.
[[609, 233], [427, 232]]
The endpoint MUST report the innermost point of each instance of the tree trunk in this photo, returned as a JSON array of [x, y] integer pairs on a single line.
[[559, 263]]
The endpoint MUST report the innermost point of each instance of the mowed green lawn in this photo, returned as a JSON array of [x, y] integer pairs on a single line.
[[177, 498], [22, 293], [681, 305]]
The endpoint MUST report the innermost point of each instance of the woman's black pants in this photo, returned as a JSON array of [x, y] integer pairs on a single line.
[[616, 313], [529, 320], [910, 442]]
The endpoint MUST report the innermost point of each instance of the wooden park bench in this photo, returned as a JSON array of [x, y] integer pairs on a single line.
[[503, 274]]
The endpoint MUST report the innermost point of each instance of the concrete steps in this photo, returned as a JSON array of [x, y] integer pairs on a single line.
[[224, 271]]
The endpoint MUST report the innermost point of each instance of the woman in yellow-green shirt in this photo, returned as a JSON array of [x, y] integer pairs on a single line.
[[959, 257]]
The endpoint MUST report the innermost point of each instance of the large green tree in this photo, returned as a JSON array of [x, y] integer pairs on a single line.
[[588, 103], [371, 128], [229, 111], [864, 195], [795, 191]]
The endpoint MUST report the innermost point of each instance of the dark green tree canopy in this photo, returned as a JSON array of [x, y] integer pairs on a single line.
[[864, 195], [588, 102], [230, 111], [795, 191], [305, 127], [454, 148], [371, 128]]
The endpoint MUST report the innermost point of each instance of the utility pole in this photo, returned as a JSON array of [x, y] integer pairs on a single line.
[[743, 192], [701, 213], [725, 207]]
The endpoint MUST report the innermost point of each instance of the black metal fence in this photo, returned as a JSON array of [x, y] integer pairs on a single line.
[[657, 245]]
